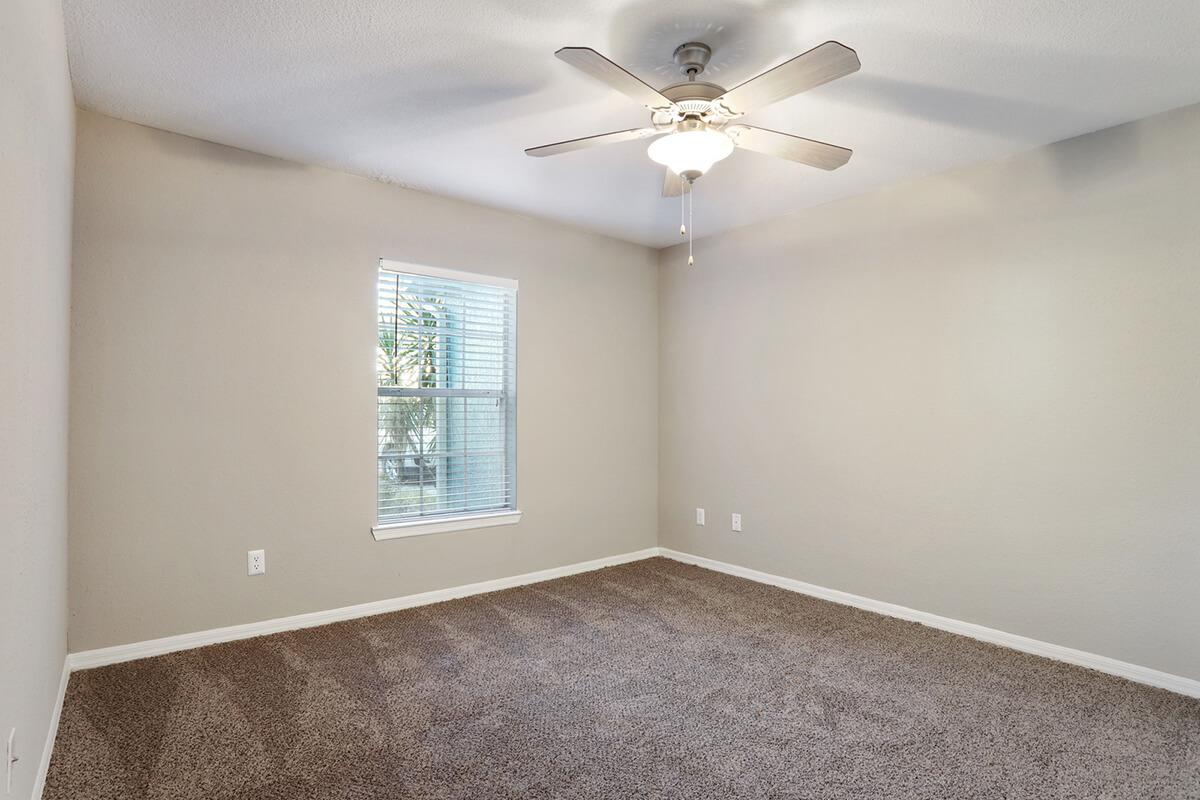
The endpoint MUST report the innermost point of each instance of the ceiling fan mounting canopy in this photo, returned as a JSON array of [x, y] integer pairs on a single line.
[[692, 58]]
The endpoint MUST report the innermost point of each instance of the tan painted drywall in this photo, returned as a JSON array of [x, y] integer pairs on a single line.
[[224, 400], [976, 394], [37, 141], [973, 394]]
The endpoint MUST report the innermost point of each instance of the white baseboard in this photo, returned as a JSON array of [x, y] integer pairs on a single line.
[[1150, 677], [87, 659], [39, 782], [129, 652]]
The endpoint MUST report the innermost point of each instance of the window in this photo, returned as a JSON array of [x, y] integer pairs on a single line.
[[446, 383]]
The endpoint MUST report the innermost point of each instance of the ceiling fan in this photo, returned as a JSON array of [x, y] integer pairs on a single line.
[[700, 118]]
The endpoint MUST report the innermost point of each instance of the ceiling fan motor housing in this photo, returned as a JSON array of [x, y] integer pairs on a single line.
[[691, 98]]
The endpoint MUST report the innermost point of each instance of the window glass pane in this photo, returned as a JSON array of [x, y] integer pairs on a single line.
[[408, 454], [445, 368]]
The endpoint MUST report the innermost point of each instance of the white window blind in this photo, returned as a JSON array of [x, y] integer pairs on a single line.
[[446, 383]]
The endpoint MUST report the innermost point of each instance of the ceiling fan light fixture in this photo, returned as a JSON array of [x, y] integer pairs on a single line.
[[693, 151]]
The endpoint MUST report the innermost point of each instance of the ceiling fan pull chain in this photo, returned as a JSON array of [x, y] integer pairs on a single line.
[[682, 206], [691, 187]]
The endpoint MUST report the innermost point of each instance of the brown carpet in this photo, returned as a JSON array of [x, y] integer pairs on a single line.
[[653, 679]]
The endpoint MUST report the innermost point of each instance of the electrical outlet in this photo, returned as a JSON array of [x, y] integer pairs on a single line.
[[10, 759], [699, 516], [256, 562], [737, 522]]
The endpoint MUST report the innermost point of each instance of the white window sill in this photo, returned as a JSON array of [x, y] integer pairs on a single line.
[[400, 530]]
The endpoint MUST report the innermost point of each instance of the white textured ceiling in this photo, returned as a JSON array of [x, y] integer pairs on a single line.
[[444, 96]]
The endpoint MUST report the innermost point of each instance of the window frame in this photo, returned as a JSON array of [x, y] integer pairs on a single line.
[[454, 521]]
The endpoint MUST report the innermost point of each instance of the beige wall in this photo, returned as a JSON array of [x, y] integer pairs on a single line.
[[36, 158], [224, 398], [975, 394]]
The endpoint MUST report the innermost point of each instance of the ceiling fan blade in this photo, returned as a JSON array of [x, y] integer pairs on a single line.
[[592, 141], [824, 63], [599, 67], [793, 148], [672, 184]]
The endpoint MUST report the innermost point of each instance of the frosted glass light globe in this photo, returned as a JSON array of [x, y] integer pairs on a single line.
[[690, 151]]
